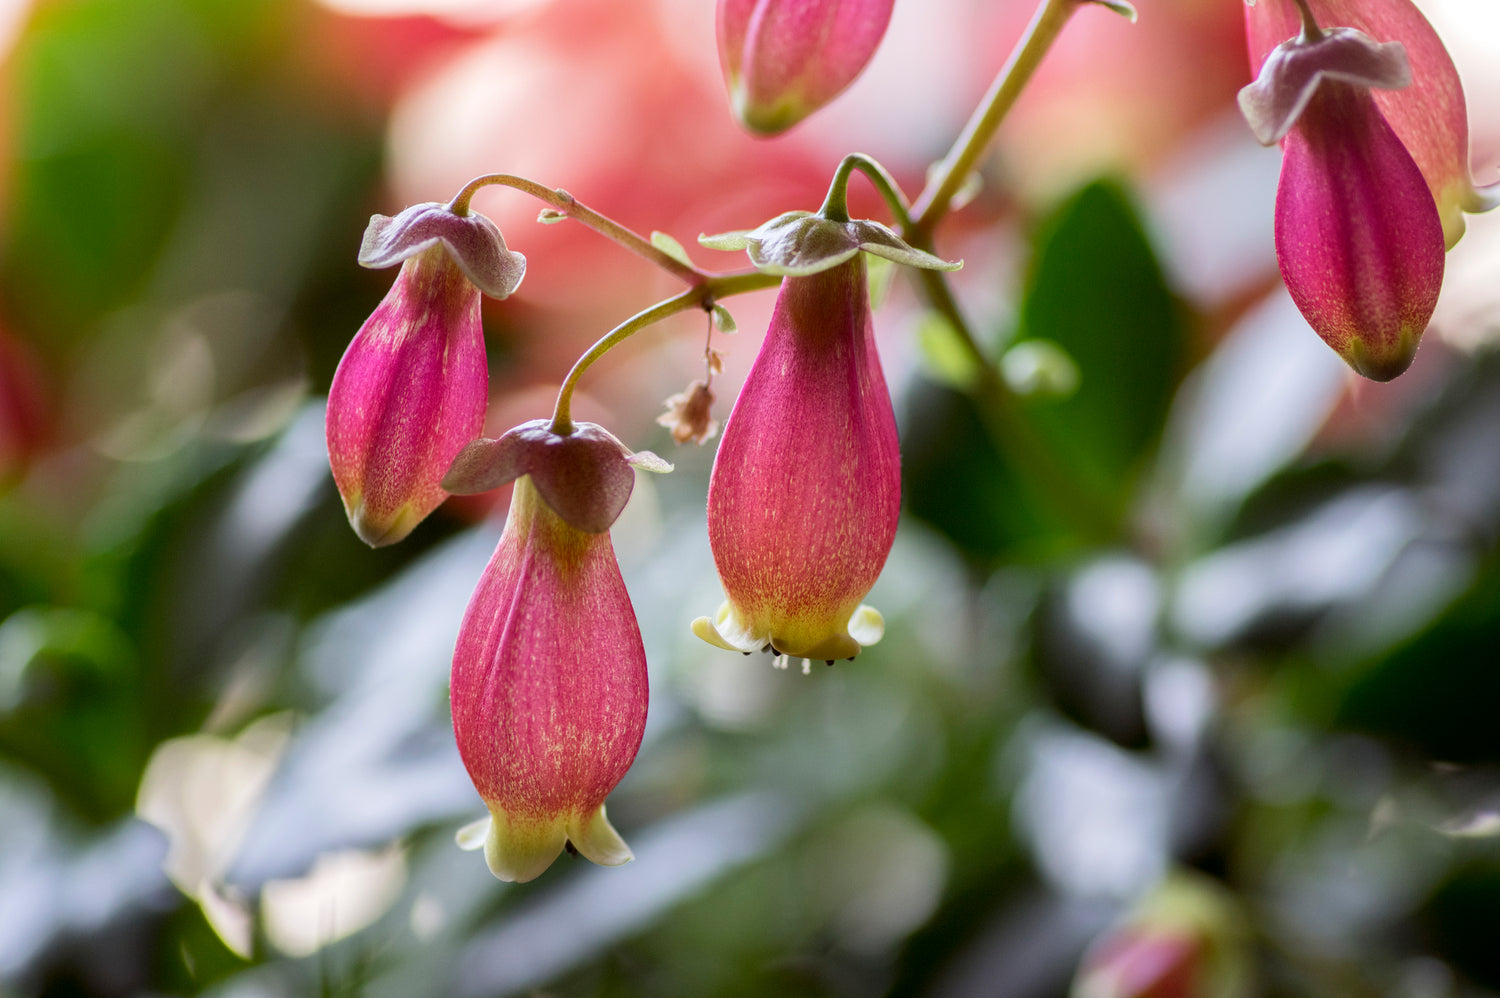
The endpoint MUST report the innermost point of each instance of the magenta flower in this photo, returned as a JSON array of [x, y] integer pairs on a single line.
[[784, 59], [549, 673], [411, 389], [806, 486], [1428, 117], [1358, 235]]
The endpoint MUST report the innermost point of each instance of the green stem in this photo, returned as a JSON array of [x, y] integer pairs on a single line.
[[701, 295], [885, 185], [568, 205], [1310, 30], [1045, 26], [1004, 420]]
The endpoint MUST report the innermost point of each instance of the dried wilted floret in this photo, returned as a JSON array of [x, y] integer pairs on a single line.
[[689, 414]]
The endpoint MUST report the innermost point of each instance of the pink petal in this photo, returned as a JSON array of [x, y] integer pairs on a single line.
[[1429, 117], [1357, 233]]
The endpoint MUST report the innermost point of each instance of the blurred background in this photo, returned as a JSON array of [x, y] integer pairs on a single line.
[[1243, 742]]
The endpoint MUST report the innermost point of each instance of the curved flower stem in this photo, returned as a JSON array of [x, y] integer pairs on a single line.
[[702, 295], [1006, 424], [1045, 26], [568, 205]]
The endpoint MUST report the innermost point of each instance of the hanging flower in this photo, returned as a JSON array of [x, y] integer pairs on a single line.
[[412, 387], [784, 59], [549, 673], [1358, 235], [1428, 116], [806, 487]]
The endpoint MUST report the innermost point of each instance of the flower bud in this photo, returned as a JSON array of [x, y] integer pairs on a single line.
[[1428, 117], [549, 674], [1185, 939], [1358, 235], [784, 59], [412, 387]]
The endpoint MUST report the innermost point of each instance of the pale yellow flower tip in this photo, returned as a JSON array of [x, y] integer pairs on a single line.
[[520, 851]]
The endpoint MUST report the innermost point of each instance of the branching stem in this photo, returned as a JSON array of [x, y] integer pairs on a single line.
[[702, 295], [567, 204]]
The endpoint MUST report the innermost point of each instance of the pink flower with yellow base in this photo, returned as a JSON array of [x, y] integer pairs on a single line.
[[549, 686], [806, 487]]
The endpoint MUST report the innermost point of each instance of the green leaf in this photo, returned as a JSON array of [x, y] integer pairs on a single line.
[[724, 321], [944, 355], [671, 247], [1098, 293]]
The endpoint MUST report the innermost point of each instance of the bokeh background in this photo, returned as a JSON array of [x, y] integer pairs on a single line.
[[1248, 733]]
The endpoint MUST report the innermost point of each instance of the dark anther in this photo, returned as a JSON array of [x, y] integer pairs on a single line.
[[828, 661], [849, 659], [568, 845], [766, 646], [744, 653]]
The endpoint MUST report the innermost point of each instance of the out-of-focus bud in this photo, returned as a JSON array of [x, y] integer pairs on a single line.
[[1186, 939], [411, 389], [1358, 235], [1429, 116], [784, 59], [549, 673], [22, 406], [806, 486]]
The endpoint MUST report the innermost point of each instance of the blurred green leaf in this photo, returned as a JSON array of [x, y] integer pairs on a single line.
[[1097, 291], [1097, 295], [1439, 690]]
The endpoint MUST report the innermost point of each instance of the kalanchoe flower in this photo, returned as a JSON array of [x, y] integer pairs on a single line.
[[1429, 116], [412, 387], [549, 674], [784, 59], [1358, 235], [806, 486]]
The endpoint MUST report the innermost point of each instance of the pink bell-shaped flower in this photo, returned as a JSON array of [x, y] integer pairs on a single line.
[[806, 486], [412, 387], [549, 673], [1358, 235], [784, 59], [1428, 116]]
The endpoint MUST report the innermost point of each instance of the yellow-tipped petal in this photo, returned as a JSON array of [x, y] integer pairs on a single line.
[[520, 851], [472, 836], [866, 626], [597, 841]]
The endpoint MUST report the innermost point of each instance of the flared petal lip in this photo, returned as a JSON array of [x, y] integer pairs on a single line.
[[864, 628], [802, 243], [472, 240], [1296, 68], [585, 477]]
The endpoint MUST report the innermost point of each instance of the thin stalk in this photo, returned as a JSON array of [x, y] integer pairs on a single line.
[[567, 204], [701, 295], [1045, 26]]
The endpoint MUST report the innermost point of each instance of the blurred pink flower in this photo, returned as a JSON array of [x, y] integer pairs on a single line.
[[1358, 235], [784, 59], [1428, 116]]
